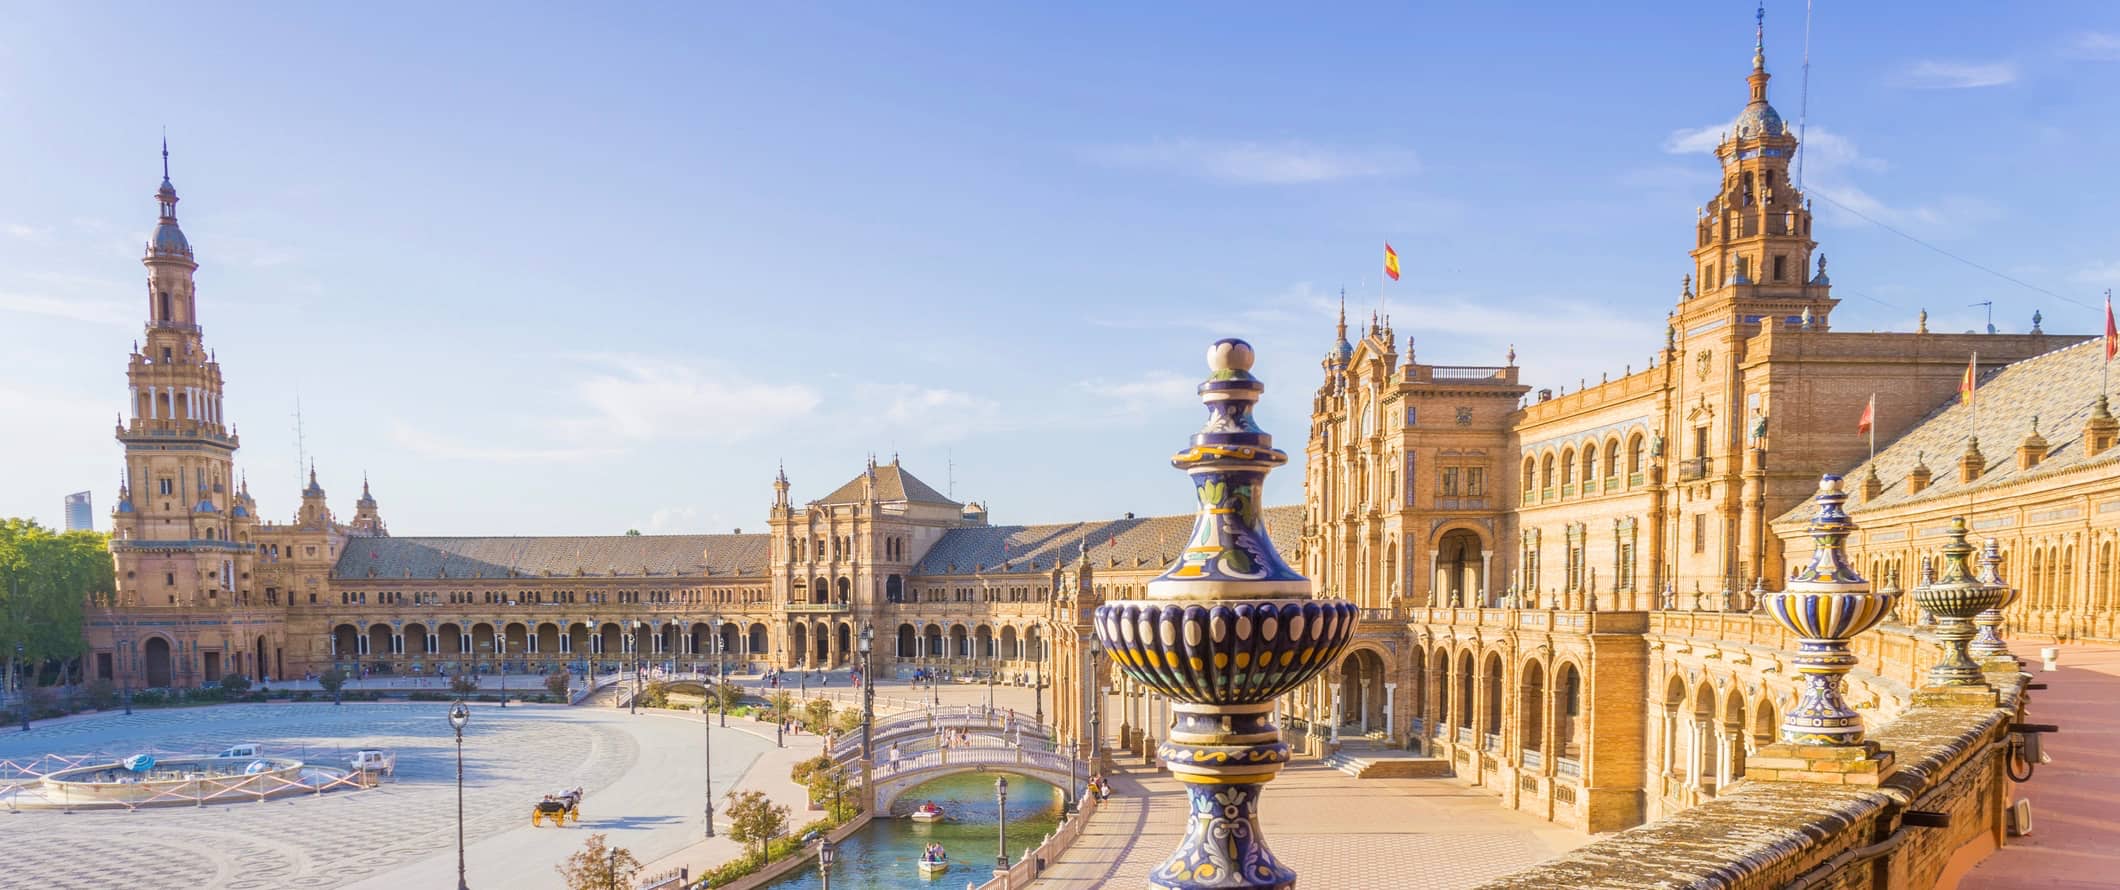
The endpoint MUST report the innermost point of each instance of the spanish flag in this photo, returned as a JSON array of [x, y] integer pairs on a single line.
[[2112, 333], [1971, 379], [1868, 421], [1391, 261]]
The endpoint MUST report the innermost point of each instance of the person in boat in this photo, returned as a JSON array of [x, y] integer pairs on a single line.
[[935, 853]]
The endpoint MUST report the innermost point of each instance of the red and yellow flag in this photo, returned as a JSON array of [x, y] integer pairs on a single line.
[[2112, 334], [1869, 416], [1969, 381], [1391, 261]]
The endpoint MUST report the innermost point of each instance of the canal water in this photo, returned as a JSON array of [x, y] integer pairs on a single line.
[[881, 855]]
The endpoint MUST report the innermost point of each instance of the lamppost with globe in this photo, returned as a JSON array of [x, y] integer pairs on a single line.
[[633, 645], [459, 715], [721, 667], [825, 855], [500, 657], [864, 644], [1001, 843]]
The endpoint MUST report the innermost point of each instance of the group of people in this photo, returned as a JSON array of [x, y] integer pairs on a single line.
[[1099, 787], [934, 853]]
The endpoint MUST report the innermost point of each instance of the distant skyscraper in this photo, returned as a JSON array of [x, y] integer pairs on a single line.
[[80, 516]]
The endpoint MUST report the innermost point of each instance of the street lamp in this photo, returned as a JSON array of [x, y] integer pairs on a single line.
[[721, 666], [1001, 844], [125, 671], [1040, 681], [825, 855], [633, 643], [706, 738], [867, 642], [500, 654], [459, 714], [1096, 703]]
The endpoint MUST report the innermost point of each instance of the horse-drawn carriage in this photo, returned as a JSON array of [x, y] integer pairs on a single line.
[[558, 807]]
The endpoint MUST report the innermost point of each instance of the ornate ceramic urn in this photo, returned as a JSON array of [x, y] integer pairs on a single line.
[[1954, 598], [1987, 635], [1223, 632], [1826, 605]]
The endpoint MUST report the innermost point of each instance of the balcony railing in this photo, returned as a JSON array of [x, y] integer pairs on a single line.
[[1634, 479], [1566, 768], [1696, 469], [1491, 742], [1464, 735], [818, 607], [1532, 760]]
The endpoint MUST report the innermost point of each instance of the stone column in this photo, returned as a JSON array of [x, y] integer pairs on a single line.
[[1336, 715], [1438, 593], [1391, 720], [1486, 577]]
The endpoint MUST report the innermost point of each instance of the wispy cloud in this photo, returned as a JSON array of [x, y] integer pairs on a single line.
[[1935, 75], [923, 413], [1257, 163], [2096, 46], [427, 443], [2106, 273], [1155, 390], [92, 311], [647, 398], [1833, 164], [25, 232]]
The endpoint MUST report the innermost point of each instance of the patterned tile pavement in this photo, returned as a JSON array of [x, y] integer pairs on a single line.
[[2073, 823], [642, 776], [1335, 830]]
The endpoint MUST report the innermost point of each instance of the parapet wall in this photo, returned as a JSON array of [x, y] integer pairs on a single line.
[[1758, 835]]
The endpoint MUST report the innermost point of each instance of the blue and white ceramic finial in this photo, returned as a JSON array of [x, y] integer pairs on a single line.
[[1826, 605], [1230, 555]]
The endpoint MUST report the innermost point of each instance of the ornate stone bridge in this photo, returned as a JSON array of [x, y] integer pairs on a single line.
[[894, 778]]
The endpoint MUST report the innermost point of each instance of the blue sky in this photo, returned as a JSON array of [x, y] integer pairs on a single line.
[[541, 269]]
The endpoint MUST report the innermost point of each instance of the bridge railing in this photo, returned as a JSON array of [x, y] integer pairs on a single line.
[[951, 716]]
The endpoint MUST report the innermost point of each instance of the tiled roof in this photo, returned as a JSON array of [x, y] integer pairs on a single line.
[[893, 483], [1151, 541], [2058, 388], [598, 556]]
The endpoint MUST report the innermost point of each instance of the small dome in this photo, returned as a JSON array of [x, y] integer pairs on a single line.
[[206, 506], [125, 506], [1759, 120], [239, 512], [170, 239]]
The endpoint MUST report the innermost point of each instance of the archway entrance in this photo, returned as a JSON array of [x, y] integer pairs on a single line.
[[1458, 569], [158, 663], [1362, 693]]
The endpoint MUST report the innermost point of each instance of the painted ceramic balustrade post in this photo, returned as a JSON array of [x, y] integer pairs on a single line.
[[1954, 598], [1987, 638], [1826, 605], [1225, 631]]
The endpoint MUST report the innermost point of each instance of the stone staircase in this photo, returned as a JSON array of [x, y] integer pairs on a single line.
[[1362, 759]]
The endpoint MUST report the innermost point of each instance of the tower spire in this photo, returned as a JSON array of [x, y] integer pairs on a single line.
[[1759, 77]]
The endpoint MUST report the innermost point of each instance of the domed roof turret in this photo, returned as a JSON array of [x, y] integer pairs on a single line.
[[1759, 120], [168, 239]]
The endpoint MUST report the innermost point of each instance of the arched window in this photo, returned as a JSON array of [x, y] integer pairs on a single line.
[[1568, 467], [1530, 474], [1589, 465], [1546, 469], [1636, 450]]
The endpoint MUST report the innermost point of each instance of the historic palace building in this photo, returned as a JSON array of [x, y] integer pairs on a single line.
[[1557, 588]]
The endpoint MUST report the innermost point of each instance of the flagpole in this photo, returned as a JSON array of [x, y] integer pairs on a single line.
[[2105, 368], [1873, 431]]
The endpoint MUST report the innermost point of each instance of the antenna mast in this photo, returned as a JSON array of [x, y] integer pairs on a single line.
[[1990, 304], [301, 454], [1803, 109]]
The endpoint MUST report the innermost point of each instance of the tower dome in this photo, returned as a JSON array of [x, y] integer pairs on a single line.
[[168, 240], [1759, 120]]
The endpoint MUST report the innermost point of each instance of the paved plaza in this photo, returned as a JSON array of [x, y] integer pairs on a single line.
[[641, 773], [1333, 829], [2073, 826]]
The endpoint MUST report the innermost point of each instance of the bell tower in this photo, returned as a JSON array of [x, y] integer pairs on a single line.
[[1752, 240]]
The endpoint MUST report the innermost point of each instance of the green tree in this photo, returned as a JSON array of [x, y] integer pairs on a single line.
[[556, 683], [633, 533], [755, 820], [47, 581], [599, 866], [461, 684], [333, 680], [730, 694], [817, 715], [831, 787], [783, 704]]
